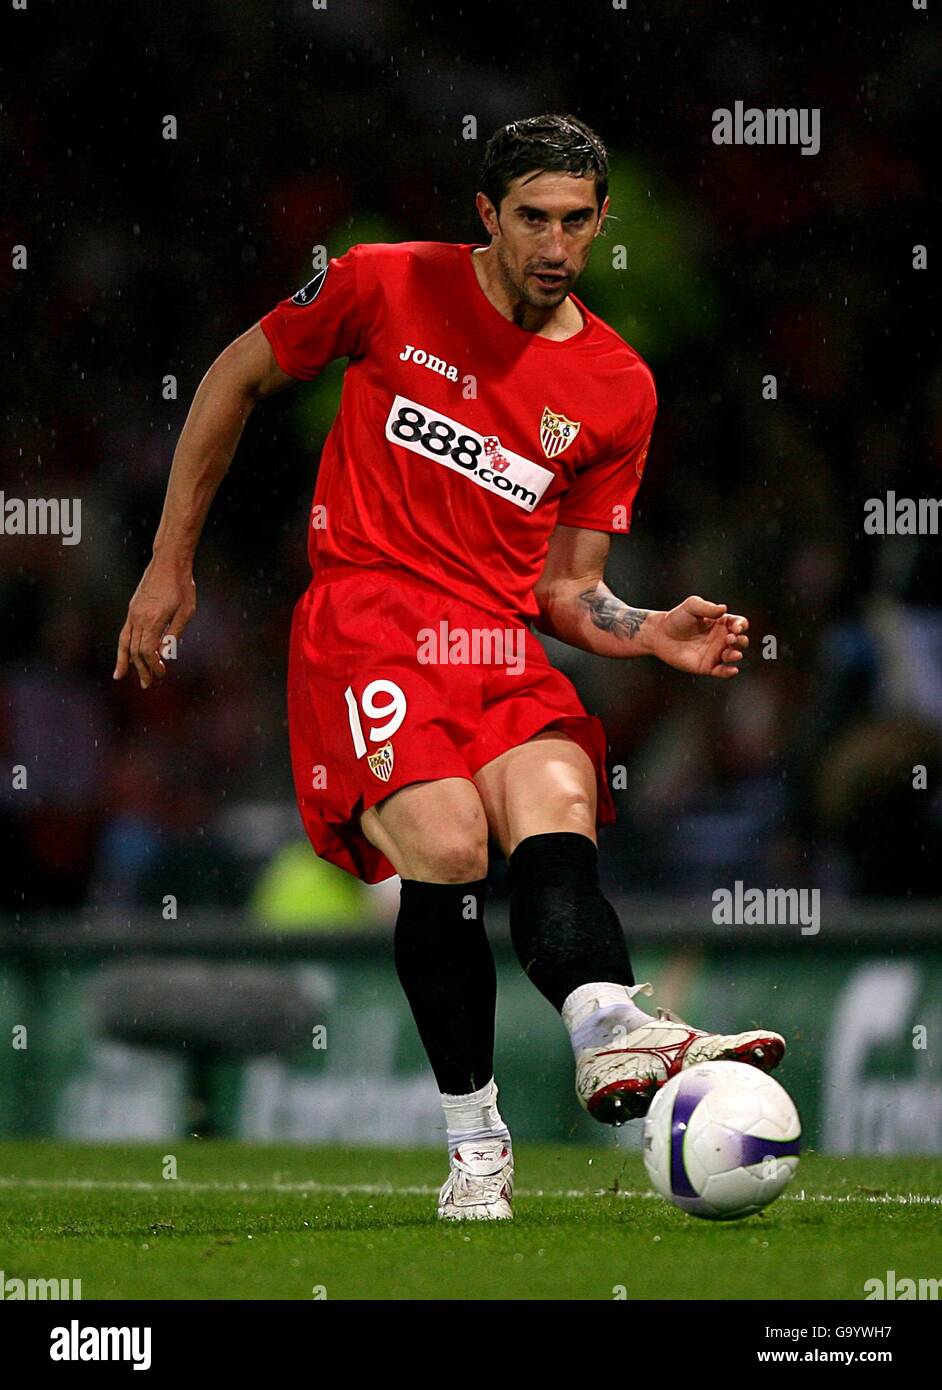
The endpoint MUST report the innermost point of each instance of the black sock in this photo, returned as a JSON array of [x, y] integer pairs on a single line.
[[565, 933], [445, 966]]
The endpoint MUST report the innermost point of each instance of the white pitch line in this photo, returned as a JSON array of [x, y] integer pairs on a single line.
[[128, 1185], [388, 1190]]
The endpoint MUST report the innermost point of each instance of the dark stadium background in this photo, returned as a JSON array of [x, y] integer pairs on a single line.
[[300, 127]]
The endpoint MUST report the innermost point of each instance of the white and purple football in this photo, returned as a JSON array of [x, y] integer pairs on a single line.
[[721, 1140]]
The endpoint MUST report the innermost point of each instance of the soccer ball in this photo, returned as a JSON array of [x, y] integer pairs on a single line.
[[721, 1140]]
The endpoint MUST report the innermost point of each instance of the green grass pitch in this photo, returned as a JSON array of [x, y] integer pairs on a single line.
[[288, 1222]]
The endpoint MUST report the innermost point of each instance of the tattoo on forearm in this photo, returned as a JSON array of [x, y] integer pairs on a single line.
[[611, 615]]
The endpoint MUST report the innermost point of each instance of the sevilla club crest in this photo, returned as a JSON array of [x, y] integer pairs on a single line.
[[556, 432], [381, 762]]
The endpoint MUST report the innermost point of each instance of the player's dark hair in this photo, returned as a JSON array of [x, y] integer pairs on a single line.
[[562, 144]]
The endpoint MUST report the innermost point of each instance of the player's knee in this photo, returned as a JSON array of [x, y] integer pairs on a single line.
[[450, 842], [433, 832], [449, 857], [581, 807], [573, 809]]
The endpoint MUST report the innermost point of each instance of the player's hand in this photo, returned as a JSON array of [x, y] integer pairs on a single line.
[[163, 604], [702, 638]]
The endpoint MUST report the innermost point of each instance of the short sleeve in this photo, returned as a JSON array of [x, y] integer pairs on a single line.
[[602, 495], [324, 320]]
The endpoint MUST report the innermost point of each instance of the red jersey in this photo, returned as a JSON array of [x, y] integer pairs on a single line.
[[462, 440]]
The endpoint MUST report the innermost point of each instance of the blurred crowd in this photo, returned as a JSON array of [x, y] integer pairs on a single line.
[[146, 256]]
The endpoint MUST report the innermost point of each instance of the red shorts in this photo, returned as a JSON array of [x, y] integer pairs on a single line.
[[390, 682]]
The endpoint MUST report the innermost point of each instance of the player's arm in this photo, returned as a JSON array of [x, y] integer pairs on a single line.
[[578, 607], [165, 600]]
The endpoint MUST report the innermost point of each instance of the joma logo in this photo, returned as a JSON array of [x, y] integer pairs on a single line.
[[427, 359]]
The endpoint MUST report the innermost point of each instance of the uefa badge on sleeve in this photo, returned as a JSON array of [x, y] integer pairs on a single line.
[[309, 292], [381, 762], [556, 432]]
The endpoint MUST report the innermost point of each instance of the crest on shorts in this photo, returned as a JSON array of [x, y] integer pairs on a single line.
[[556, 432], [381, 762]]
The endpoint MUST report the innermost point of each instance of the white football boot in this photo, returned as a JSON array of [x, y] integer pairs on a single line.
[[616, 1084], [480, 1185]]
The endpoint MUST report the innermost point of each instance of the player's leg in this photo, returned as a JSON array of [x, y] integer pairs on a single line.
[[540, 800], [435, 835], [378, 751]]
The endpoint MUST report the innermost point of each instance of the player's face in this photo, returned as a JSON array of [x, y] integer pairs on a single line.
[[547, 225]]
